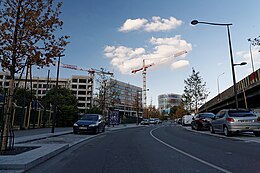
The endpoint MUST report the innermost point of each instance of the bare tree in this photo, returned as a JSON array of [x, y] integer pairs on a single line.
[[27, 37]]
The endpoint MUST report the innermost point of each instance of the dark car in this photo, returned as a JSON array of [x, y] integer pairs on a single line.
[[202, 121], [90, 123]]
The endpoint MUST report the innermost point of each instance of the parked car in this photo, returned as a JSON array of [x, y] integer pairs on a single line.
[[90, 123], [229, 121], [145, 122], [202, 121], [186, 120]]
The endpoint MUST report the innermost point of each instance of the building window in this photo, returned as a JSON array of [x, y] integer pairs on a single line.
[[82, 93], [82, 98], [82, 86], [74, 86], [82, 81], [75, 80], [81, 104], [74, 92]]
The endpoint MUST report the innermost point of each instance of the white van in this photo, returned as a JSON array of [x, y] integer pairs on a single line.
[[186, 120]]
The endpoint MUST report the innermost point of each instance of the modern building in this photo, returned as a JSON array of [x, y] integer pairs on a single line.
[[81, 86], [125, 98], [167, 101]]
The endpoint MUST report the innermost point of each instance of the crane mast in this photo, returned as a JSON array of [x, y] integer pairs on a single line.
[[144, 68]]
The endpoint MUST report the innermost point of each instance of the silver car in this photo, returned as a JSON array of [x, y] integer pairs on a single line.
[[229, 121]]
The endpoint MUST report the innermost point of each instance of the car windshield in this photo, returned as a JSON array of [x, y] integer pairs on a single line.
[[208, 115], [89, 117], [241, 114]]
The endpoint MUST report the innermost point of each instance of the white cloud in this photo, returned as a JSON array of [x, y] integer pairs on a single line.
[[132, 24], [155, 25], [180, 64], [127, 59]]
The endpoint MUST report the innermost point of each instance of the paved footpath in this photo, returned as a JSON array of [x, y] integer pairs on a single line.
[[49, 144]]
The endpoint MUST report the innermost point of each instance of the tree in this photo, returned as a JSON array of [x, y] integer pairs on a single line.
[[153, 112], [180, 111], [195, 91], [67, 105], [27, 38]]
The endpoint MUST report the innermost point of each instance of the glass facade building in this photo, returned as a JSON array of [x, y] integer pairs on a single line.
[[167, 101]]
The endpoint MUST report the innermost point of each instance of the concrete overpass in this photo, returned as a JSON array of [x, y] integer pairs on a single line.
[[248, 93]]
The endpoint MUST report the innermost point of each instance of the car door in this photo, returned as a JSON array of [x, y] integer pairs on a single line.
[[218, 122]]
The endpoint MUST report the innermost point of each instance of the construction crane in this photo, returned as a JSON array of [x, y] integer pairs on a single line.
[[143, 69], [91, 71]]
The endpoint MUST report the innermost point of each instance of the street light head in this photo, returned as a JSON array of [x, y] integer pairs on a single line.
[[243, 63], [194, 22]]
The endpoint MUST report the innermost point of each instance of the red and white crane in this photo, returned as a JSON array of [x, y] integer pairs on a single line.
[[143, 69]]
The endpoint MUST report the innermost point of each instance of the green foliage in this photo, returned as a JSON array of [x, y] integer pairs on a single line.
[[67, 112], [23, 96], [195, 91]]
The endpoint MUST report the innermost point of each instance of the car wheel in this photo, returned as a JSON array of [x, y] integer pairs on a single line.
[[192, 127], [257, 133], [226, 131], [103, 130], [211, 129], [75, 132], [97, 130], [197, 127]]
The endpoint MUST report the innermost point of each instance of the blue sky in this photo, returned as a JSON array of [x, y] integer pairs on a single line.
[[117, 34]]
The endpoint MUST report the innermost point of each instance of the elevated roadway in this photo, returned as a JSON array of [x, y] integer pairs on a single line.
[[248, 92]]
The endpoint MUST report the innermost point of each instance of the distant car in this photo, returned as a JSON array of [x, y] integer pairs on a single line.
[[155, 121], [186, 120], [90, 123], [202, 121], [145, 122], [152, 121], [229, 121]]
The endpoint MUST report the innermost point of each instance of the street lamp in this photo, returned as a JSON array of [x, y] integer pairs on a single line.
[[195, 22], [56, 96], [251, 55], [218, 84]]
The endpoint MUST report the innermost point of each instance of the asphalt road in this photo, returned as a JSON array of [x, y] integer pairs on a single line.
[[156, 149]]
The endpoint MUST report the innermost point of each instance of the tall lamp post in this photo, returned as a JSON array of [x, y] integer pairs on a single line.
[[195, 22], [218, 84], [56, 97], [251, 55]]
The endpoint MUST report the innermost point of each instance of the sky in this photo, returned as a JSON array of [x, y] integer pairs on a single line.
[[118, 34]]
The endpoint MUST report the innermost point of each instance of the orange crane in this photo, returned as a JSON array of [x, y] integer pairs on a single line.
[[144, 74]]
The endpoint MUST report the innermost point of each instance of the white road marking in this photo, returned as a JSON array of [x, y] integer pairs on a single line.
[[187, 154]]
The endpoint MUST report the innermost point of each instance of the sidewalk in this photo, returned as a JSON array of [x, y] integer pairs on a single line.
[[49, 145]]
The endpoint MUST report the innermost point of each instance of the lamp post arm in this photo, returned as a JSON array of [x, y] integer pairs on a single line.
[[218, 24]]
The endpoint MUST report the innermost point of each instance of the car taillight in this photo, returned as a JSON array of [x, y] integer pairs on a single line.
[[258, 119], [230, 119]]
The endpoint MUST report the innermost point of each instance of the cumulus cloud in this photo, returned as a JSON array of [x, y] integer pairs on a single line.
[[126, 59], [179, 64], [156, 24]]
